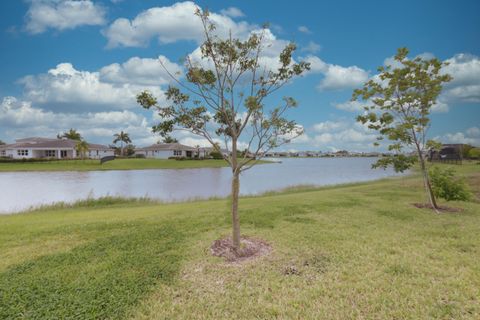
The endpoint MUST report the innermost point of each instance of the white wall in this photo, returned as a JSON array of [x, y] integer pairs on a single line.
[[14, 154], [71, 154], [160, 154]]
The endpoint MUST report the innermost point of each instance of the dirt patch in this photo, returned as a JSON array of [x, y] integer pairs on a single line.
[[440, 208], [250, 248]]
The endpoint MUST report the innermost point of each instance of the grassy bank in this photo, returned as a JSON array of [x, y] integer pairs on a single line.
[[359, 251], [118, 164]]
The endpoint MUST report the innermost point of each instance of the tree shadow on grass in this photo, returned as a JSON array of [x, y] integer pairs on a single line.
[[100, 280]]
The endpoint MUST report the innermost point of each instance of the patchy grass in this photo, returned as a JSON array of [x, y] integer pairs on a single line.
[[118, 164], [89, 202], [348, 252]]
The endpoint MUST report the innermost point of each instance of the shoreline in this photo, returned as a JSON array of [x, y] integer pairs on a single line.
[[105, 201], [116, 165]]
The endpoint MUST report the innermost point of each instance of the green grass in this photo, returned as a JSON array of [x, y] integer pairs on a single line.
[[361, 251], [118, 164]]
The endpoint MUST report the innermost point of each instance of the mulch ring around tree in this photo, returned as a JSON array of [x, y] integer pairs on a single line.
[[440, 208], [250, 248]]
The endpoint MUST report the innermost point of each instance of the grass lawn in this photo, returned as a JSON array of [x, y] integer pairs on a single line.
[[118, 164], [360, 252]]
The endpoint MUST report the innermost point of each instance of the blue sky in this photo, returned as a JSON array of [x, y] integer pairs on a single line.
[[80, 63]]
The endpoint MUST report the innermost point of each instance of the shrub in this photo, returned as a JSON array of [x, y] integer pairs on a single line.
[[22, 160], [474, 153], [446, 185], [216, 155]]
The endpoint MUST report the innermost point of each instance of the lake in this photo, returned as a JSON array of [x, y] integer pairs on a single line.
[[22, 190]]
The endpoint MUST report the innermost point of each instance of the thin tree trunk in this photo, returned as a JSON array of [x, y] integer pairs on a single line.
[[426, 180], [428, 186], [235, 215], [235, 194]]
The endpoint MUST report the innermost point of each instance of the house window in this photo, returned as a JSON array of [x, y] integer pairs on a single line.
[[177, 152], [3, 153], [50, 153], [22, 152]]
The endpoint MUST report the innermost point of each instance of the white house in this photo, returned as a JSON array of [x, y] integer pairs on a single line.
[[51, 148], [167, 150]]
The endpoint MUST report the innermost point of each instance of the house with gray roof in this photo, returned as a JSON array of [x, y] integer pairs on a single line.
[[167, 150], [38, 148]]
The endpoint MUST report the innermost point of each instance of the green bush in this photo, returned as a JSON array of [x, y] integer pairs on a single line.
[[139, 156], [474, 153], [23, 160], [447, 186], [216, 155]]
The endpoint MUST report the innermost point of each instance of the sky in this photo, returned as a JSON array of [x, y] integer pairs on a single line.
[[80, 64]]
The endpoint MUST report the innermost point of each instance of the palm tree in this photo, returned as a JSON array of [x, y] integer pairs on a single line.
[[169, 139], [82, 148], [72, 134], [121, 137]]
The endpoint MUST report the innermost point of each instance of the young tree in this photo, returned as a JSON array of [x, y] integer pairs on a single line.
[[130, 150], [72, 134], [2, 143], [169, 139], [121, 137], [474, 153], [82, 148], [399, 105], [223, 97], [466, 150]]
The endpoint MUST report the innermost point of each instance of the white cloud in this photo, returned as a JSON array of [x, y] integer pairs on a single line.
[[317, 65], [141, 71], [62, 15], [113, 87], [329, 126], [465, 86], [169, 24], [352, 106], [458, 137], [440, 107], [304, 29], [341, 134], [324, 138], [311, 47], [336, 77], [473, 132], [20, 119], [232, 12]]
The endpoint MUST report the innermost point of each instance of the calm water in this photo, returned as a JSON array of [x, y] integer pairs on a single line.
[[22, 190]]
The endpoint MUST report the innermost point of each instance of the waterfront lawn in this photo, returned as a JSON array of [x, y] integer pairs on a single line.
[[117, 164], [347, 252]]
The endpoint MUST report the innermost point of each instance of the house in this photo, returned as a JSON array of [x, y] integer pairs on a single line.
[[167, 150], [447, 153], [37, 148], [206, 152], [342, 153]]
